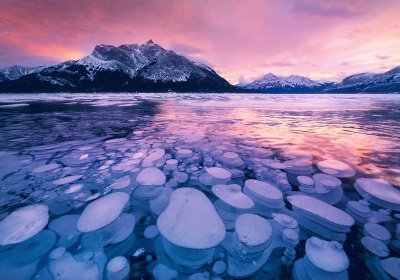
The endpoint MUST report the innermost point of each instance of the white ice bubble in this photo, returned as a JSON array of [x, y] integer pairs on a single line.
[[219, 173], [151, 232], [67, 180], [118, 268], [336, 168], [190, 220], [320, 210], [102, 212], [392, 267], [45, 168], [74, 188], [151, 176], [252, 230], [381, 193], [23, 223], [163, 272], [233, 196], [328, 256], [121, 183]]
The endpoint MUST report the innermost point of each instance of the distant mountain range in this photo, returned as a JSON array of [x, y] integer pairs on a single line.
[[359, 83], [150, 68], [293, 84]]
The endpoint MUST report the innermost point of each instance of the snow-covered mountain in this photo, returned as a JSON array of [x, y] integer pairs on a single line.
[[14, 72], [368, 82], [278, 84], [146, 67]]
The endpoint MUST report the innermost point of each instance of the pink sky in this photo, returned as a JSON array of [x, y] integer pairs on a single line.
[[241, 40]]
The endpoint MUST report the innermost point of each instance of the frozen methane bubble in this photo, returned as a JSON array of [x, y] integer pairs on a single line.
[[67, 180], [155, 154], [377, 231], [233, 196], [380, 192], [252, 230], [266, 197], [323, 260], [328, 256], [65, 226], [375, 246], [102, 212], [190, 221], [219, 173], [327, 188], [32, 249], [121, 183], [151, 232], [151, 176], [214, 176], [23, 223], [336, 168], [231, 159], [163, 272], [392, 267], [219, 267], [321, 217], [118, 268], [63, 266], [127, 222], [45, 168]]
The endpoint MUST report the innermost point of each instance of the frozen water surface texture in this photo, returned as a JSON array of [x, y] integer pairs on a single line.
[[199, 186]]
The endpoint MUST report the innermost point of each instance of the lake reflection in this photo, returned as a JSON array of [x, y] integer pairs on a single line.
[[68, 151]]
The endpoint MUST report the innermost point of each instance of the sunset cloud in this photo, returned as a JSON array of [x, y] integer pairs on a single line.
[[241, 40]]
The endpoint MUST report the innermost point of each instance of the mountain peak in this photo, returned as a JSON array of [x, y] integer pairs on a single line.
[[130, 67]]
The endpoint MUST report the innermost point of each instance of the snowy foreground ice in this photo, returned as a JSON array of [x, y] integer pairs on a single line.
[[199, 187]]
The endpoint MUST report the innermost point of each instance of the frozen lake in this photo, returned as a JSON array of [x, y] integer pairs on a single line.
[[259, 186]]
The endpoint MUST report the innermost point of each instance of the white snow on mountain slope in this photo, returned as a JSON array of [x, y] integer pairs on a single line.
[[272, 81], [366, 81], [149, 61], [14, 72]]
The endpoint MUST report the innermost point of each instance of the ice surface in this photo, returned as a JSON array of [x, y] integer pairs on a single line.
[[264, 141], [23, 223], [190, 221], [102, 212]]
